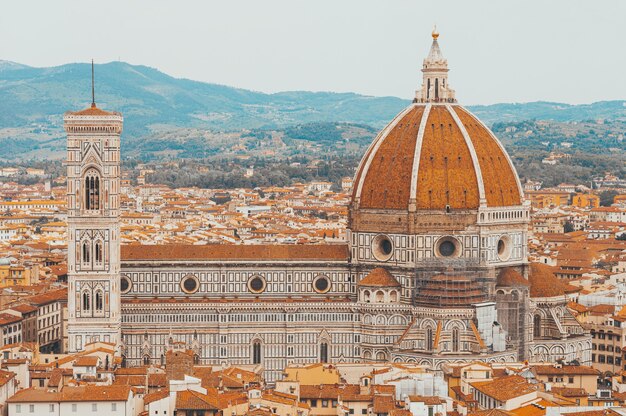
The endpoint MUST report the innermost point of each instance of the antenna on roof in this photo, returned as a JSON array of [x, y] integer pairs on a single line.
[[93, 89]]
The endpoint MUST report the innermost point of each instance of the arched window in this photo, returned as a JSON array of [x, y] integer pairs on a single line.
[[86, 301], [324, 352], [256, 352], [380, 296], [436, 88], [393, 296], [146, 360], [99, 300], [455, 340], [98, 252], [537, 326], [366, 296], [86, 252], [429, 339], [196, 359], [92, 190]]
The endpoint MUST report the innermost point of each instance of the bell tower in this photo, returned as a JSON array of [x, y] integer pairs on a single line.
[[93, 252], [435, 88]]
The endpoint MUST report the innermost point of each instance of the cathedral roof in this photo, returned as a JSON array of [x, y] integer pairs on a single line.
[[509, 277], [545, 284], [379, 277], [234, 252], [437, 155]]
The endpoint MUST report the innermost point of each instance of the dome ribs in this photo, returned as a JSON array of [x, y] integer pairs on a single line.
[[499, 177], [440, 155], [446, 173], [390, 168]]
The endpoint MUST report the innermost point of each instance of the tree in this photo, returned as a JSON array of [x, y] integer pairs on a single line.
[[606, 197]]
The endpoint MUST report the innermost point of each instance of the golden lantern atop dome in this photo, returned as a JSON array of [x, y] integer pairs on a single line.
[[435, 32]]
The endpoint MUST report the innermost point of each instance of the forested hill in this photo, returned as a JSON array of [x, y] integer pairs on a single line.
[[148, 97]]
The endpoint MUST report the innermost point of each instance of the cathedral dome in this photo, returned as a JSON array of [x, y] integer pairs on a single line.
[[436, 157]]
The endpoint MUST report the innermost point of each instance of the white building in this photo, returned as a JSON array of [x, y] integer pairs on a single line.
[[79, 401]]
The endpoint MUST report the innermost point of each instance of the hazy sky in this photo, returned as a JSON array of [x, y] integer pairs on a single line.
[[498, 50]]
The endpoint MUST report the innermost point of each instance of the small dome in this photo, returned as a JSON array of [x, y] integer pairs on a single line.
[[449, 290], [545, 284], [437, 157], [379, 277], [509, 277]]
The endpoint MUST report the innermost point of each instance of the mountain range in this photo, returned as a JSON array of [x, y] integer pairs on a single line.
[[32, 102]]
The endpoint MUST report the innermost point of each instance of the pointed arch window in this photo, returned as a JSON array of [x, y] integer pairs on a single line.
[[537, 326], [86, 251], [324, 352], [455, 340], [429, 339], [99, 301], [256, 352], [86, 301], [92, 190], [146, 360], [97, 252]]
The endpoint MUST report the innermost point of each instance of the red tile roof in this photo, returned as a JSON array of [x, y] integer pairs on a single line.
[[379, 277], [235, 252], [504, 388]]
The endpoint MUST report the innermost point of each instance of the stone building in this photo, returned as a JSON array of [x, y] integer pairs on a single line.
[[434, 271]]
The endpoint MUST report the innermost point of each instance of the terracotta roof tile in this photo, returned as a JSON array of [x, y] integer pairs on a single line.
[[379, 277], [446, 173], [509, 277], [234, 252], [504, 388]]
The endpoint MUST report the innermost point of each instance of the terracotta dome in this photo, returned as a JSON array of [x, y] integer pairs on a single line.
[[436, 156]]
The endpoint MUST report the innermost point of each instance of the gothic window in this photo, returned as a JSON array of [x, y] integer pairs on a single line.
[[324, 352], [196, 359], [92, 190], [86, 301], [99, 301], [86, 252], [537, 326], [98, 252], [429, 339], [256, 352], [455, 340], [146, 360]]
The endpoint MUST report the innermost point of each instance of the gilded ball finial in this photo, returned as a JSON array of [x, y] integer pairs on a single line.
[[435, 32]]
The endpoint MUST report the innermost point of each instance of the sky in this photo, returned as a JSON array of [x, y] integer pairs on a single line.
[[570, 51]]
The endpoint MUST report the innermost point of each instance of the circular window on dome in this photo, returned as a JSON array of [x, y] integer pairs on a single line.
[[125, 284], [504, 248], [321, 284], [382, 247], [256, 284], [448, 247], [190, 284]]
